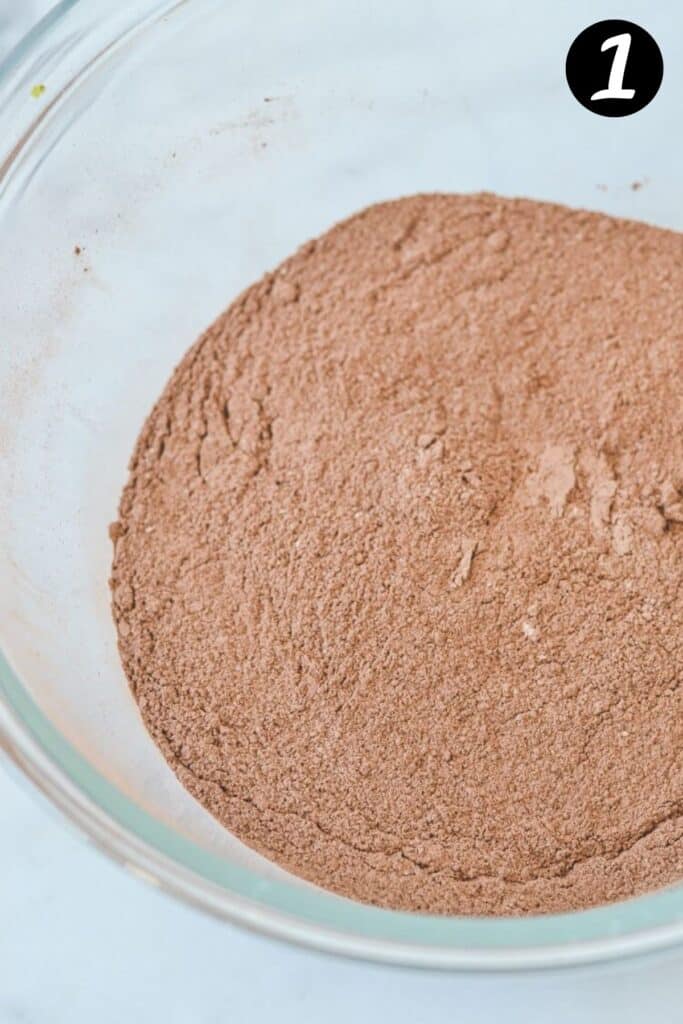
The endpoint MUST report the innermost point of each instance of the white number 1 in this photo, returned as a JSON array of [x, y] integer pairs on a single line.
[[615, 83]]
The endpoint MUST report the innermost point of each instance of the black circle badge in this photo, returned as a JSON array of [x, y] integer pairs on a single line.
[[614, 68]]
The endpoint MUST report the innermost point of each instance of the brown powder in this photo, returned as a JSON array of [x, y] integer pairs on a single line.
[[397, 573]]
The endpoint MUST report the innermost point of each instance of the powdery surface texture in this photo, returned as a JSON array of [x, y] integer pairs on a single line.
[[397, 573]]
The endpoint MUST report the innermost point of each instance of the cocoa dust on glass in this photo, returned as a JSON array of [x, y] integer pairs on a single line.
[[398, 568]]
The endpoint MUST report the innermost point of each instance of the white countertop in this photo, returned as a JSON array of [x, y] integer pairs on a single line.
[[81, 940]]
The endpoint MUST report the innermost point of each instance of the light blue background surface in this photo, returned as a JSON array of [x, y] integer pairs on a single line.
[[81, 941]]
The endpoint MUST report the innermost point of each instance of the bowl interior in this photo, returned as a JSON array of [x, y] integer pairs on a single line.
[[165, 171]]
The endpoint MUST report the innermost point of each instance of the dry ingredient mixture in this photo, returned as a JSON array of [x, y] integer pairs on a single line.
[[398, 569]]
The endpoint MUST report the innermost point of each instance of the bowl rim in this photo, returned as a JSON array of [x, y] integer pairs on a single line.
[[153, 851]]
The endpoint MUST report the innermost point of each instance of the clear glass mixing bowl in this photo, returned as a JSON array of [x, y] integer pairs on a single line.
[[155, 158]]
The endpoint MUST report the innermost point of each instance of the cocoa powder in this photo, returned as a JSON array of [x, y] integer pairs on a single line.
[[397, 574]]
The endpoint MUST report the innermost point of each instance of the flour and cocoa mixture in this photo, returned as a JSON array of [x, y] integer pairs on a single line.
[[398, 569]]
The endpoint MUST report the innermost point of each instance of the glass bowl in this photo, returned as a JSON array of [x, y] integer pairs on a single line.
[[156, 157]]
